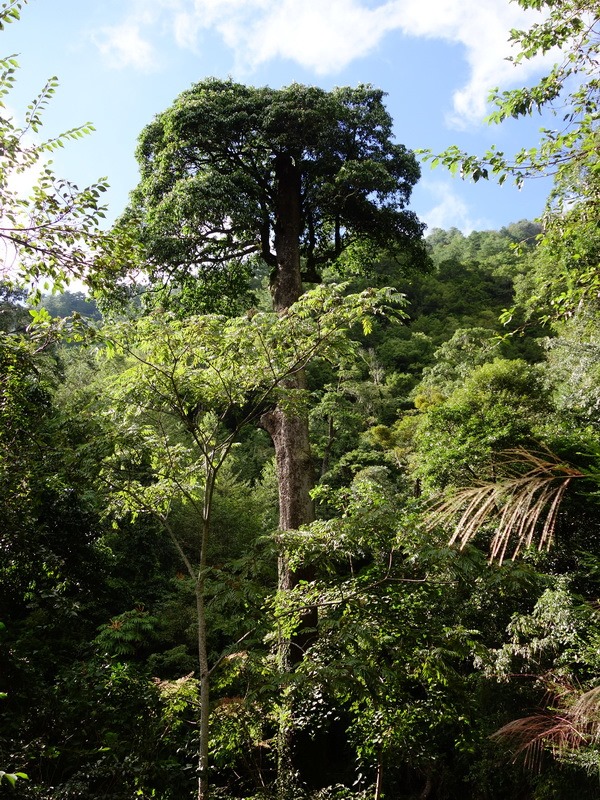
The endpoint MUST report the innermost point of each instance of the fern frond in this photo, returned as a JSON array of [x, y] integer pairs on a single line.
[[524, 502], [574, 724]]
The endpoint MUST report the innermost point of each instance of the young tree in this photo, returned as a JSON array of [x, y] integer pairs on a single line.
[[191, 388]]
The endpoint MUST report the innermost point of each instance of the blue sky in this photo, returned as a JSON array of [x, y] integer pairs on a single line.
[[119, 62]]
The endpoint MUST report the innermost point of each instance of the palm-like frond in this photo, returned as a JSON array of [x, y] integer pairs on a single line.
[[525, 501], [574, 724]]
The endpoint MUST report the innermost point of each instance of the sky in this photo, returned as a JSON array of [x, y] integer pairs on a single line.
[[120, 62]]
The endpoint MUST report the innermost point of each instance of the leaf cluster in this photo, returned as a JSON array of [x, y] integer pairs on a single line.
[[53, 232], [209, 199]]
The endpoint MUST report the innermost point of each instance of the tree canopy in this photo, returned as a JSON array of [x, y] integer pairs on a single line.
[[294, 176], [162, 635]]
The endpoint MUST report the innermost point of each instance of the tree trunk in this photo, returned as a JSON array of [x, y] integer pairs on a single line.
[[204, 699], [286, 286], [379, 778], [295, 481], [427, 788], [289, 432], [328, 446]]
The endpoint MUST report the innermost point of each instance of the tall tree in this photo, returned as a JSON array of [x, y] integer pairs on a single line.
[[294, 176], [191, 388]]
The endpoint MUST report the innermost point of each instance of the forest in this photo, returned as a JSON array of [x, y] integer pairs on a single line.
[[300, 500]]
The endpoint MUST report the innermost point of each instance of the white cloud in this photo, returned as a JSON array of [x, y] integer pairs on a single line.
[[450, 210], [124, 46], [324, 36]]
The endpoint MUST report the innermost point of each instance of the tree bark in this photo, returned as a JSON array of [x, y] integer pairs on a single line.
[[379, 778], [328, 446], [295, 480], [289, 432], [203, 784], [286, 285], [427, 788], [204, 698]]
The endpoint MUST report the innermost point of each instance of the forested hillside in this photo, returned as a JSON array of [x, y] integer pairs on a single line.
[[300, 503]]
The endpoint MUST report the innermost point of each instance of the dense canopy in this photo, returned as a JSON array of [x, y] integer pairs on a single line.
[[332, 542], [231, 171]]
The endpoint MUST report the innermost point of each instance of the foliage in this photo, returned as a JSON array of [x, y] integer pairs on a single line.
[[569, 730], [496, 408], [419, 651], [51, 233], [406, 669], [213, 376], [223, 167], [392, 671], [567, 260], [556, 643], [125, 633], [11, 777], [68, 303]]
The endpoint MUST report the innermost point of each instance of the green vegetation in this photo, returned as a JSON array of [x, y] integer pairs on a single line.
[[315, 515]]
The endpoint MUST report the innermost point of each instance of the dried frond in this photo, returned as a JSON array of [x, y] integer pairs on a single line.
[[169, 687], [575, 724], [230, 706], [531, 736], [585, 713], [524, 501]]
